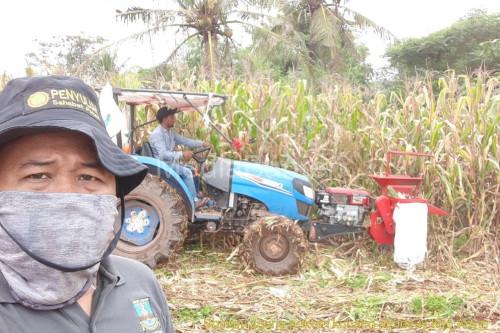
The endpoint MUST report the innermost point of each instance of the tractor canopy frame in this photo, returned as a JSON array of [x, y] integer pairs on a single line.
[[181, 100]]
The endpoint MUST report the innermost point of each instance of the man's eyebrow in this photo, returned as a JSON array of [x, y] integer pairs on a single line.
[[31, 163]]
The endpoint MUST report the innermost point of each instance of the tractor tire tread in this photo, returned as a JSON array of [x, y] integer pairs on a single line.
[[171, 235]]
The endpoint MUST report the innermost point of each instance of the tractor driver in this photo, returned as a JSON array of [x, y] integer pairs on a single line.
[[61, 181], [163, 141]]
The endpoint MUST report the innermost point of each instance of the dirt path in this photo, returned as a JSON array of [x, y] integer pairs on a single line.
[[359, 290]]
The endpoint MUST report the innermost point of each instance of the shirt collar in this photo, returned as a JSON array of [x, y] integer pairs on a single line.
[[166, 130], [107, 270]]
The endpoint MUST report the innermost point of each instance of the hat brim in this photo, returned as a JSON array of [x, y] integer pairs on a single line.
[[128, 171]]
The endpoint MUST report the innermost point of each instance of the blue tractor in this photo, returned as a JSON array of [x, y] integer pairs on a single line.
[[269, 206]]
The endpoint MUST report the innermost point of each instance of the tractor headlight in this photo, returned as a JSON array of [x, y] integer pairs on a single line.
[[308, 192]]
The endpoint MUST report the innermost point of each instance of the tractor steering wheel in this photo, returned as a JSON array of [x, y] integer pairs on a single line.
[[200, 155]]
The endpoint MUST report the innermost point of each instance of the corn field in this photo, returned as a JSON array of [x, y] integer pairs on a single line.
[[340, 135]]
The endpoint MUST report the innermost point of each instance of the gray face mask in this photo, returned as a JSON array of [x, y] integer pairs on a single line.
[[51, 244]]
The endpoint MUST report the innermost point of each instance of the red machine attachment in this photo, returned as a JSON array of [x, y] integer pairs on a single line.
[[381, 223]]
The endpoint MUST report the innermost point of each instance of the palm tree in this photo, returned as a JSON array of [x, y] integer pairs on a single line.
[[316, 32], [210, 21]]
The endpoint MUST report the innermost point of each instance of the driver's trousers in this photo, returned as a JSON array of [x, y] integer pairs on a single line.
[[187, 176]]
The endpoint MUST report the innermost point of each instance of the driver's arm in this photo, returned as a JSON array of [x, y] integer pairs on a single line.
[[182, 140]]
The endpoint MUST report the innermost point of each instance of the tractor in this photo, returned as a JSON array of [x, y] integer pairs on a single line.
[[270, 207]]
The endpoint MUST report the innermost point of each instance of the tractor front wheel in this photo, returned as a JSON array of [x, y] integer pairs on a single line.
[[274, 245]]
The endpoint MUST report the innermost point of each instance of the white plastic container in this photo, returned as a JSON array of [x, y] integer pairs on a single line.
[[410, 239]]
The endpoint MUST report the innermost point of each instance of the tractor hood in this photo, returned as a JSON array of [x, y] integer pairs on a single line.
[[283, 192], [272, 178]]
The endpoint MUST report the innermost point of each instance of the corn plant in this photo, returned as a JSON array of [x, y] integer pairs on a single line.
[[340, 135]]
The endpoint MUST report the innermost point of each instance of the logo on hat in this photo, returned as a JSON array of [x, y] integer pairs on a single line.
[[38, 99], [62, 99]]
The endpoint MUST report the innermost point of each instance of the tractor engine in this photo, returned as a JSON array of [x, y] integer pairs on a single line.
[[344, 206]]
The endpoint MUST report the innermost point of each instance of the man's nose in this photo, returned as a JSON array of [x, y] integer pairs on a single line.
[[65, 184]]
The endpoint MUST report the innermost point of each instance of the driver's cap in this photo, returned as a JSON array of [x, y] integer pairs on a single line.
[[44, 103], [165, 111]]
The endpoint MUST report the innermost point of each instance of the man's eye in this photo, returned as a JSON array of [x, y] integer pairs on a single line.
[[38, 176], [88, 178]]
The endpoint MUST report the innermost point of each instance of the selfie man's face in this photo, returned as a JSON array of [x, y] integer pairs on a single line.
[[64, 162], [169, 121]]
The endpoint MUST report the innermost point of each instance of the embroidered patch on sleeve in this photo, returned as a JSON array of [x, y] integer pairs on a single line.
[[149, 322]]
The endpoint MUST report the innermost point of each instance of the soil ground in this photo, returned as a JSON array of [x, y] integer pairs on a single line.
[[351, 286]]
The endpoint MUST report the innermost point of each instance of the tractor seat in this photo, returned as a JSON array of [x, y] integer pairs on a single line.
[[146, 149]]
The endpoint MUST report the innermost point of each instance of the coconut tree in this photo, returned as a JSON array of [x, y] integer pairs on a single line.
[[316, 32], [209, 21]]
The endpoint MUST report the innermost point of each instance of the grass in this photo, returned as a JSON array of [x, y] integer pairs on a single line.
[[194, 315], [358, 281], [357, 288], [367, 308], [437, 305]]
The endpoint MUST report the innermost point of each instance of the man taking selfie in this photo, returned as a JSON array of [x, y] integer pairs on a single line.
[[62, 188]]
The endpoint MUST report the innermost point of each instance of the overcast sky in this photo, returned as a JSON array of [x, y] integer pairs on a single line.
[[23, 21]]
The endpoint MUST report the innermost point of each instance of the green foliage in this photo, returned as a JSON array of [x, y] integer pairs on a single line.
[[193, 315], [355, 69], [468, 44], [208, 24], [436, 305], [416, 305], [460, 242], [316, 38], [382, 277], [305, 39], [338, 136], [367, 308], [357, 281]]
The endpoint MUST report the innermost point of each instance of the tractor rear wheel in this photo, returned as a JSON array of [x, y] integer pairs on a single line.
[[274, 245], [160, 201]]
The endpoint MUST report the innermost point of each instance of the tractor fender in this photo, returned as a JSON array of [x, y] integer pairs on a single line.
[[167, 174]]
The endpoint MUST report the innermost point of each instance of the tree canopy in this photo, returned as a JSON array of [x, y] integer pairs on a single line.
[[468, 44], [210, 22], [310, 36], [316, 38]]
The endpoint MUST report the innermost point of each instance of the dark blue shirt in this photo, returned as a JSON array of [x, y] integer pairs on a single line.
[[128, 299]]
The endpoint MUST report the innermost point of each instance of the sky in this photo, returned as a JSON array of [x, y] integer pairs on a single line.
[[23, 21]]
